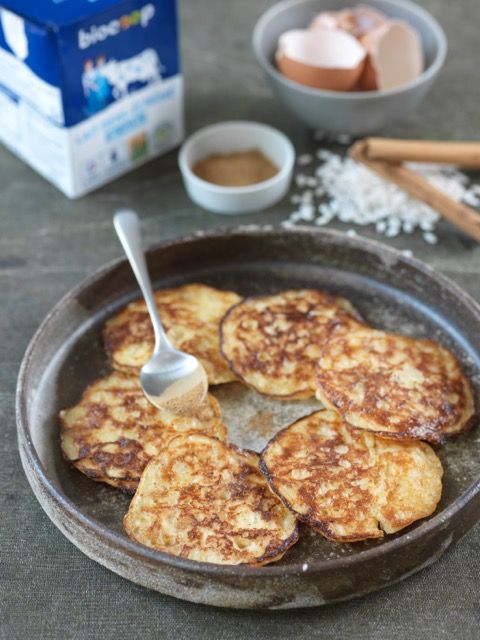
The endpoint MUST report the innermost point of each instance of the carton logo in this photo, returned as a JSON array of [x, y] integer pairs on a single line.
[[105, 81], [140, 17]]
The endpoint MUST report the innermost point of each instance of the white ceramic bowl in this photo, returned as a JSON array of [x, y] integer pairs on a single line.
[[232, 136]]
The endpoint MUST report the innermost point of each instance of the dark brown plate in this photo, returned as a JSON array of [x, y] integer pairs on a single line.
[[392, 292]]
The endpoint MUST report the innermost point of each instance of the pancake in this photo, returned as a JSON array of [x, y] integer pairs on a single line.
[[349, 484], [206, 500], [190, 316], [273, 342], [112, 433], [397, 386]]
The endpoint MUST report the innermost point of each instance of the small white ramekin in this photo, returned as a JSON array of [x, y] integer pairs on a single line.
[[232, 136]]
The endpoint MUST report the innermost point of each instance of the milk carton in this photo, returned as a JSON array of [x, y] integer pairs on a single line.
[[89, 88]]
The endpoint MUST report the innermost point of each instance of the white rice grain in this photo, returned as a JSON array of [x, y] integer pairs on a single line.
[[345, 190]]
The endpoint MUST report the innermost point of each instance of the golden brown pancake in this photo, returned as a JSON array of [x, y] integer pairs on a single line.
[[113, 431], [350, 484], [397, 386], [273, 342], [206, 500], [190, 316]]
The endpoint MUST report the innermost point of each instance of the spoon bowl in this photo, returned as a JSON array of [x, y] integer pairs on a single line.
[[182, 386], [171, 379]]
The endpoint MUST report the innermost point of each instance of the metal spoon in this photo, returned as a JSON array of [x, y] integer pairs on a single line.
[[171, 379]]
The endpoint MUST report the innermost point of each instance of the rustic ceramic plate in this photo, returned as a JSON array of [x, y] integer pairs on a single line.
[[392, 292]]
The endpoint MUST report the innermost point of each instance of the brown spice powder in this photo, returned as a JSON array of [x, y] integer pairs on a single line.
[[237, 169]]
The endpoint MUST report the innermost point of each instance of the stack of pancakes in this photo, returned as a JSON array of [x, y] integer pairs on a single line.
[[356, 469]]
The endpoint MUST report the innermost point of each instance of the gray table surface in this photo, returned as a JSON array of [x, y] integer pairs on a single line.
[[49, 589]]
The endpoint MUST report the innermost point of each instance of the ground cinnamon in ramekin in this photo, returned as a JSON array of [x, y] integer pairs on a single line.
[[237, 169]]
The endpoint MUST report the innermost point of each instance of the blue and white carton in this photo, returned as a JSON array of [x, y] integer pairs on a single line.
[[89, 88]]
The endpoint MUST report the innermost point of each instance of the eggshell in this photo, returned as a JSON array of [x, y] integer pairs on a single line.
[[368, 79], [395, 56], [357, 21], [323, 59]]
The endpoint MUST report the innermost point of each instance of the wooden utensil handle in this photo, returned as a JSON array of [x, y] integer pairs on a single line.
[[457, 213], [463, 154]]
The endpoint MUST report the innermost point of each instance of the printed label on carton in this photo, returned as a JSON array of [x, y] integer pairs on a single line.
[[87, 99]]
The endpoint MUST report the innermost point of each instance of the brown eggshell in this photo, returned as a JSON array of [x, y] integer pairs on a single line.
[[395, 56], [357, 21], [322, 59], [368, 79]]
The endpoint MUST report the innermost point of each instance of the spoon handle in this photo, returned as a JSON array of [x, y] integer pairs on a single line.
[[128, 230]]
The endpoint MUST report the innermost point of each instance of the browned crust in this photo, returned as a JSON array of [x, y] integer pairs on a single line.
[[318, 525], [274, 552], [435, 439], [421, 431], [302, 394], [132, 461], [322, 526], [115, 336], [413, 436], [307, 393], [126, 487]]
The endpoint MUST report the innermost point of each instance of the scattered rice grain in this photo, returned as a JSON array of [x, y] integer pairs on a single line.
[[430, 238], [355, 195], [305, 159]]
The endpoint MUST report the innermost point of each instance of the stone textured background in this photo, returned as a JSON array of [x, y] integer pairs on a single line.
[[48, 589]]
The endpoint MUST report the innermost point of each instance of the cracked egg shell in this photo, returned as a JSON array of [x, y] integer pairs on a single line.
[[395, 56], [322, 59], [357, 21]]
